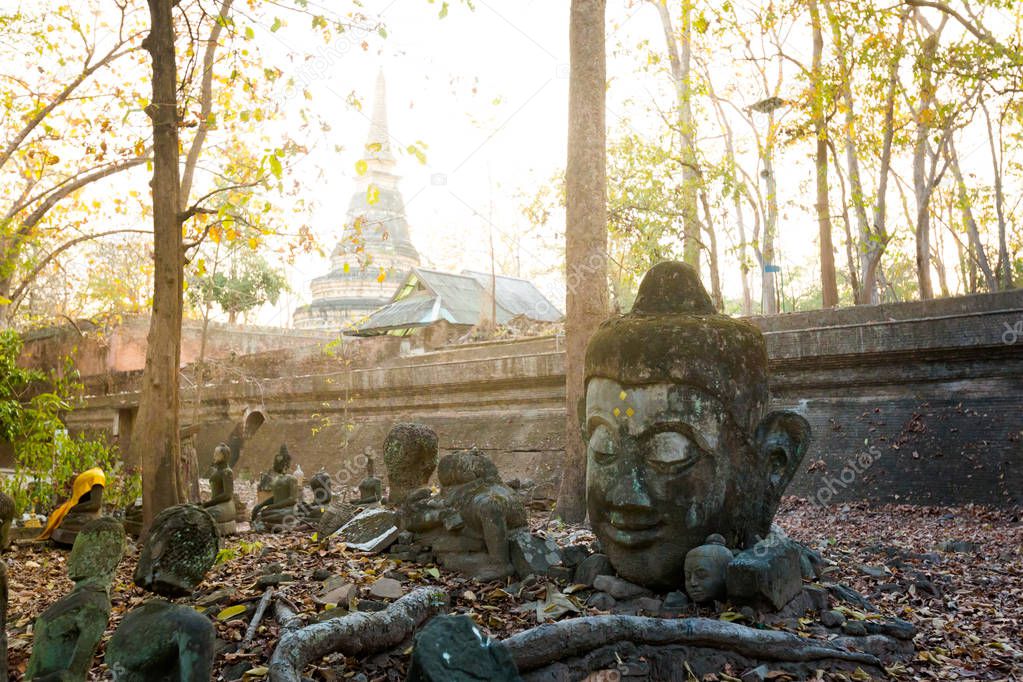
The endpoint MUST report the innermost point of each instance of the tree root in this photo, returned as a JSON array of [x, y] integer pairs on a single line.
[[553, 642], [354, 634]]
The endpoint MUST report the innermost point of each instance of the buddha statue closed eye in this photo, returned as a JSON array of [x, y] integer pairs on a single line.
[[679, 445]]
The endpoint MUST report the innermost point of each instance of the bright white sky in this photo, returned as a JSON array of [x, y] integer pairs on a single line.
[[488, 92]]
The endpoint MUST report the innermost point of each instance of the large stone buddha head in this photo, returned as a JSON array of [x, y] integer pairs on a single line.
[[679, 442]]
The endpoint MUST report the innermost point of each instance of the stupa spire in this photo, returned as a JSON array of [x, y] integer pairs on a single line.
[[378, 142]]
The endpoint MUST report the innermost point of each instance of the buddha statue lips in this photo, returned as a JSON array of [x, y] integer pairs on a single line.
[[678, 444]]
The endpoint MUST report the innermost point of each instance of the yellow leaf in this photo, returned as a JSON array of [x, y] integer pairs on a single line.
[[372, 194], [231, 612], [382, 276], [347, 268], [361, 166], [253, 243], [261, 671]]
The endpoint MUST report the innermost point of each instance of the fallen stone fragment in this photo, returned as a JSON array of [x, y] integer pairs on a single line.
[[454, 649], [372, 531], [832, 619], [341, 595], [386, 588], [592, 566], [618, 588], [767, 572], [602, 601], [531, 554]]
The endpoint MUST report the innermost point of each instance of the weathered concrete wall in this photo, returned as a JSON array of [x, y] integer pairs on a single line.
[[932, 394], [123, 348]]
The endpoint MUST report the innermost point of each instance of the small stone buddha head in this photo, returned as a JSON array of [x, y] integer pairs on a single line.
[[181, 548], [705, 569], [98, 549], [221, 456], [282, 460], [678, 442]]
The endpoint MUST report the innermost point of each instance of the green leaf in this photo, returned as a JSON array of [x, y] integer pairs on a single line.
[[433, 572], [249, 33], [443, 10], [275, 167], [276, 25]]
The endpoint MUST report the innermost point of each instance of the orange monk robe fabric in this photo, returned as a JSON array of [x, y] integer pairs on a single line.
[[82, 485]]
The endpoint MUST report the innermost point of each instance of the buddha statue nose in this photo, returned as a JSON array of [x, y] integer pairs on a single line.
[[628, 491]]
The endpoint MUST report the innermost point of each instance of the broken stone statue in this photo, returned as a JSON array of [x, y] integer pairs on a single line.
[[275, 511], [67, 634], [221, 504], [7, 511], [410, 455], [84, 505], [680, 444], [161, 641], [371, 489], [312, 512], [468, 524], [705, 570]]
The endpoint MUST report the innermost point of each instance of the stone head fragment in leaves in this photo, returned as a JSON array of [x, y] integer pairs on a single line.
[[679, 441]]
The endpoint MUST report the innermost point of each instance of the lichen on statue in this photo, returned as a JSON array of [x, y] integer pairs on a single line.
[[67, 634], [679, 445], [160, 641], [221, 505], [276, 511], [84, 505]]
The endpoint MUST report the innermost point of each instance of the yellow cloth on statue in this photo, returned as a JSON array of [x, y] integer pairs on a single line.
[[82, 485]]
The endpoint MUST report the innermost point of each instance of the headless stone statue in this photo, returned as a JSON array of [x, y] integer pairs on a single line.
[[221, 504], [84, 505], [410, 455], [312, 512], [160, 641], [275, 511], [68, 633], [679, 442], [705, 569], [371, 490], [7, 511], [467, 525]]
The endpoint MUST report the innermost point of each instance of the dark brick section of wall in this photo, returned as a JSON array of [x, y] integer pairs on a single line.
[[918, 403]]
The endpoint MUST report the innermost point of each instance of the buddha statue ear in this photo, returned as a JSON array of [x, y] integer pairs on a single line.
[[782, 438]]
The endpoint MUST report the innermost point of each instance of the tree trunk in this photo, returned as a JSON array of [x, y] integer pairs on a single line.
[[712, 241], [681, 72], [585, 233], [922, 185], [829, 279], [155, 441], [769, 291], [850, 261], [1004, 264], [976, 247]]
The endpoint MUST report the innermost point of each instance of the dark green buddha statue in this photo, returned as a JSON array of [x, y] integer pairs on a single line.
[[67, 634], [160, 641], [275, 512], [680, 444]]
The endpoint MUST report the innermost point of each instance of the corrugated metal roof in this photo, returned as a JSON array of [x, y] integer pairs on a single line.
[[414, 311], [457, 299], [519, 297]]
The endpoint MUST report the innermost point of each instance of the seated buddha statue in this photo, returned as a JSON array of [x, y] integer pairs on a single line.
[[160, 640], [371, 488], [84, 505], [273, 512], [221, 504], [67, 634]]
